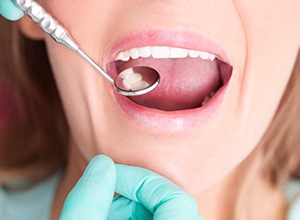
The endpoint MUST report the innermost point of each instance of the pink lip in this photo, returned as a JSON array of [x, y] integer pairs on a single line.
[[170, 122]]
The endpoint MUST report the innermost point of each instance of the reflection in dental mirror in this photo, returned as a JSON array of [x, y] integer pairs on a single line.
[[136, 81]]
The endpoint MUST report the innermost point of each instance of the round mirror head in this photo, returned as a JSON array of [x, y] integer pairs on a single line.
[[136, 81]]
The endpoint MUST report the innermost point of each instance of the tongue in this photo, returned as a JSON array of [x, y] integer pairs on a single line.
[[184, 82]]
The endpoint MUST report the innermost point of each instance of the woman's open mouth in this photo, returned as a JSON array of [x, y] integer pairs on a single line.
[[189, 78], [195, 74]]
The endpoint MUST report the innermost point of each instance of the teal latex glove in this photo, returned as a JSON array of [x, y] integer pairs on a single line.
[[144, 195], [9, 10]]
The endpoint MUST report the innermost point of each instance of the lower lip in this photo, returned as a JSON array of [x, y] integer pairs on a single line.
[[162, 122]]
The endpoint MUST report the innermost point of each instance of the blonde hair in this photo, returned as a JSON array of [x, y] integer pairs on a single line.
[[279, 147], [34, 133]]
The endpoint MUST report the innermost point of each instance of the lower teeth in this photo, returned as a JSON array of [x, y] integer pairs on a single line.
[[208, 98]]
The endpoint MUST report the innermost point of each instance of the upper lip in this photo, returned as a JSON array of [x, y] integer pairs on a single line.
[[180, 39]]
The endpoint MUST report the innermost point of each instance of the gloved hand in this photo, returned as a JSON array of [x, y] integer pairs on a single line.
[[144, 195], [9, 10]]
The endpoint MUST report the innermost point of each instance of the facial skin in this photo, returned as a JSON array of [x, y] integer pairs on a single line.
[[261, 43]]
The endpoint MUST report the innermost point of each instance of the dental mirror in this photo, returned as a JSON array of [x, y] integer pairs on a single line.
[[136, 81], [130, 82]]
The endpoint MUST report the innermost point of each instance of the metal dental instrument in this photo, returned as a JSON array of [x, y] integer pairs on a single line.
[[130, 82]]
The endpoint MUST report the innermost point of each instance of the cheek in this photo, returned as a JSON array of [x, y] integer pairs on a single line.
[[272, 44], [78, 86], [88, 22]]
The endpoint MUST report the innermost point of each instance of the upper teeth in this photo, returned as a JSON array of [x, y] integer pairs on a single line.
[[163, 52]]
